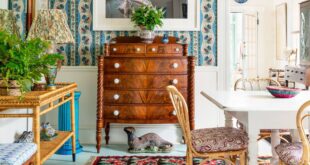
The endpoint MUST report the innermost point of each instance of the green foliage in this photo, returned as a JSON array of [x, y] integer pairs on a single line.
[[24, 61], [147, 16]]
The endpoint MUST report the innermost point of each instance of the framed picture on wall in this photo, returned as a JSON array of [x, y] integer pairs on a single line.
[[115, 14], [305, 33], [4, 4], [281, 31]]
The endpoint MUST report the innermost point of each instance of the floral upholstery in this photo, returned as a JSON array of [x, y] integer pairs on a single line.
[[219, 139], [16, 153], [290, 153]]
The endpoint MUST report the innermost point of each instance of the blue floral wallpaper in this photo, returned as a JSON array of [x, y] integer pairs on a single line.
[[89, 43]]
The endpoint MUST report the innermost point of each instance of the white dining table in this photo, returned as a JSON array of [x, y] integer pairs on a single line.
[[258, 110]]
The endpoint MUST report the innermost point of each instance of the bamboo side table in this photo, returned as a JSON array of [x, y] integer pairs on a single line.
[[43, 102]]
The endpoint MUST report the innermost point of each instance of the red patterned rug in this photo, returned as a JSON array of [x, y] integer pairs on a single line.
[[147, 160]]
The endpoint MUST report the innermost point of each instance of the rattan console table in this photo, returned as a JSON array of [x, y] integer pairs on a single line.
[[42, 102]]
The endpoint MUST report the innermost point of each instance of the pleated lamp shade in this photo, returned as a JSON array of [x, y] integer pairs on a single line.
[[8, 22], [51, 25]]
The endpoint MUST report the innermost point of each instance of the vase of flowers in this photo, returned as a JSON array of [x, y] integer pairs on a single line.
[[147, 18]]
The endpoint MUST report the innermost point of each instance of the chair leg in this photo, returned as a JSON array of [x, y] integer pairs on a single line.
[[242, 159], [189, 157], [281, 162]]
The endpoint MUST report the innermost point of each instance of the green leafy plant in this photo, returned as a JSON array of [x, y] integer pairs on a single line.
[[24, 61], [147, 17]]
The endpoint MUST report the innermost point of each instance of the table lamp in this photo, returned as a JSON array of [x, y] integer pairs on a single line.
[[51, 25], [8, 22]]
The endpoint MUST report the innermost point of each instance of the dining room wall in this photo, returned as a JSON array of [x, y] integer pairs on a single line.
[[293, 25]]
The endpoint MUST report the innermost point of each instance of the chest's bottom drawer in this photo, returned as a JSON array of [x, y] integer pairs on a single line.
[[139, 112]]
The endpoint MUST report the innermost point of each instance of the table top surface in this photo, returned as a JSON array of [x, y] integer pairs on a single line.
[[254, 101], [37, 97]]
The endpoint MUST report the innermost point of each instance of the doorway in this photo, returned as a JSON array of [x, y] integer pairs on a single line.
[[243, 45]]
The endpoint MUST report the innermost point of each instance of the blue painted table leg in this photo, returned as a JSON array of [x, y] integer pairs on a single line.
[[64, 124]]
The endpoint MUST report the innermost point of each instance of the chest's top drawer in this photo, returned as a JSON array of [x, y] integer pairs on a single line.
[[145, 65], [127, 49]]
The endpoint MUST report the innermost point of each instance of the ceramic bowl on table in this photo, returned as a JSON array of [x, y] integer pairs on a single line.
[[282, 92]]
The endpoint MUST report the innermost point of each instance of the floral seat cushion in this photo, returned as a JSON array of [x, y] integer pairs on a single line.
[[289, 153], [219, 139], [16, 153]]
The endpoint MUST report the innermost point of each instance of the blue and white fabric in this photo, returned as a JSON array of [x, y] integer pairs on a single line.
[[16, 153]]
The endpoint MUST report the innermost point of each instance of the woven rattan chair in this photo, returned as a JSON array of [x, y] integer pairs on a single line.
[[259, 84], [297, 152], [230, 142]]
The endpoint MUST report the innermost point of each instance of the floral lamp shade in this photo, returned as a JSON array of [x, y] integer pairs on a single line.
[[8, 21], [51, 25]]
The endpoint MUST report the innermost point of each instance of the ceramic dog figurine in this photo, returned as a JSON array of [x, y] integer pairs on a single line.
[[148, 143]]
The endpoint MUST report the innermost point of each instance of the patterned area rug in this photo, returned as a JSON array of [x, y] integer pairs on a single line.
[[147, 160]]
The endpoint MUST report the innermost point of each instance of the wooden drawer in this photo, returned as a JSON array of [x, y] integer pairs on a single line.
[[142, 65], [164, 49], [123, 81], [138, 97], [139, 112], [137, 49]]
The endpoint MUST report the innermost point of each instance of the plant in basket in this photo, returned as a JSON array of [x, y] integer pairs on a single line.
[[22, 63]]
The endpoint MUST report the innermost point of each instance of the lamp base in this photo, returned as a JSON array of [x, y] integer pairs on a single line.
[[51, 87]]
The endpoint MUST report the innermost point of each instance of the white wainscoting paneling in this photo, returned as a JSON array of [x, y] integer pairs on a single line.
[[207, 115]]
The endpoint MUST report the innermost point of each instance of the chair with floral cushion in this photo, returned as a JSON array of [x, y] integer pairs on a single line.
[[209, 143], [297, 152]]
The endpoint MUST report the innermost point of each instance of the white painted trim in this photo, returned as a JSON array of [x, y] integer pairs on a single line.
[[223, 44], [4, 4], [79, 68], [101, 23]]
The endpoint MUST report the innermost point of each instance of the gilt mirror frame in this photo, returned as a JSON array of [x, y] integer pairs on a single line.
[[102, 23]]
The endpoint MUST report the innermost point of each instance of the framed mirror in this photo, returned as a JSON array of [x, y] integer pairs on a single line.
[[115, 14], [4, 4]]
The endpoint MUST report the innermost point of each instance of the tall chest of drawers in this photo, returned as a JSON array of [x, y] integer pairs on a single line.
[[132, 80]]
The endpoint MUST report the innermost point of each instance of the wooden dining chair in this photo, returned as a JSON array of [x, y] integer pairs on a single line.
[[254, 84], [297, 152], [209, 143], [259, 84]]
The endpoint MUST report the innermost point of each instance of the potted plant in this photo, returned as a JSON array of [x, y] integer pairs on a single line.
[[22, 63], [147, 18]]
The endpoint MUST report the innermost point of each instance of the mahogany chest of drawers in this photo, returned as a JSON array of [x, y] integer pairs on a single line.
[[132, 80]]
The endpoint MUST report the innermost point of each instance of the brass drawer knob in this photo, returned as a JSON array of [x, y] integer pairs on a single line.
[[114, 49], [175, 81], [175, 65], [116, 96], [153, 49], [174, 112], [116, 65], [177, 49], [117, 81], [138, 49], [116, 113]]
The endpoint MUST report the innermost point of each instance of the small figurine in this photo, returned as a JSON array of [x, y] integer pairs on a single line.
[[148, 143], [47, 132], [165, 39]]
